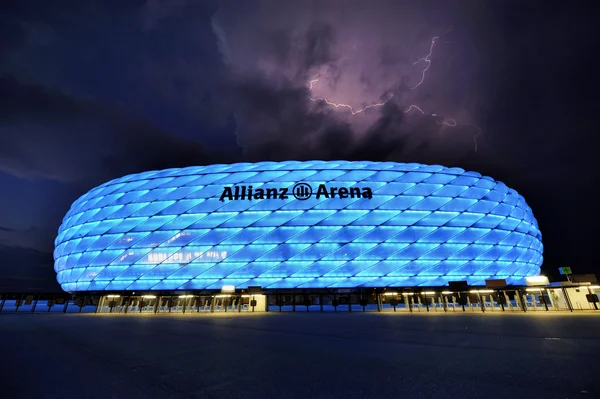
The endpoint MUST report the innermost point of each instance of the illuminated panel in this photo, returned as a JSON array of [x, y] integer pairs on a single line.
[[421, 226]]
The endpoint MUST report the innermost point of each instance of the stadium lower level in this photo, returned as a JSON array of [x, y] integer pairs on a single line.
[[554, 297]]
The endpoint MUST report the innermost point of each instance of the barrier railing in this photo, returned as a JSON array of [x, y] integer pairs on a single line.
[[406, 301]]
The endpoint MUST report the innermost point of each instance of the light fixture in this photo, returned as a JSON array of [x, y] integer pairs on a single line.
[[537, 280], [228, 288]]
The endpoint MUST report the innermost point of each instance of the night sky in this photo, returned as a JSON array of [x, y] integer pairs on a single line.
[[93, 90]]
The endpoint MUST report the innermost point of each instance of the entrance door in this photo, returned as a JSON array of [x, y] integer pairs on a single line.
[[147, 304], [225, 303]]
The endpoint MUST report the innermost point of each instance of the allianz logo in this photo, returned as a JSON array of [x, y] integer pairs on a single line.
[[300, 191]]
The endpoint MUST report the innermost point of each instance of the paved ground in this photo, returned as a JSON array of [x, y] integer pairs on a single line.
[[300, 356]]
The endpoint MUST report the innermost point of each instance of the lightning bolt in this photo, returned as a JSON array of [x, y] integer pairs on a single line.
[[341, 105], [427, 61]]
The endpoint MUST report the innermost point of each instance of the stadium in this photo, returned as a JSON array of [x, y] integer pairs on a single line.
[[263, 232]]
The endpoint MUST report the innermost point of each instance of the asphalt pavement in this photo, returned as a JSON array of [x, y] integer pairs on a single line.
[[301, 355]]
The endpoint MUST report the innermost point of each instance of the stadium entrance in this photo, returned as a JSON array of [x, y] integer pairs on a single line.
[[155, 304]]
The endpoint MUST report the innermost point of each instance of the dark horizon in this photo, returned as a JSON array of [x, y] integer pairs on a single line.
[[100, 90]]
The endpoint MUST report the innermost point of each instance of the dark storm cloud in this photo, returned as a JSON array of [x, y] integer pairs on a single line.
[[48, 133], [318, 44], [26, 260], [277, 122], [101, 89], [274, 51], [12, 36], [32, 237], [29, 270]]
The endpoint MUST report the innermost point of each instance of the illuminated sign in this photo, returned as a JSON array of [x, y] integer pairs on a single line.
[[565, 270], [300, 191], [186, 256]]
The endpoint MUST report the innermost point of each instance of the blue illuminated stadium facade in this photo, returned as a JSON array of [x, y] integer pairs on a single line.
[[184, 229]]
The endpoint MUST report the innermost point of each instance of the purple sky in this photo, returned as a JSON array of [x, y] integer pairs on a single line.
[[97, 90]]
